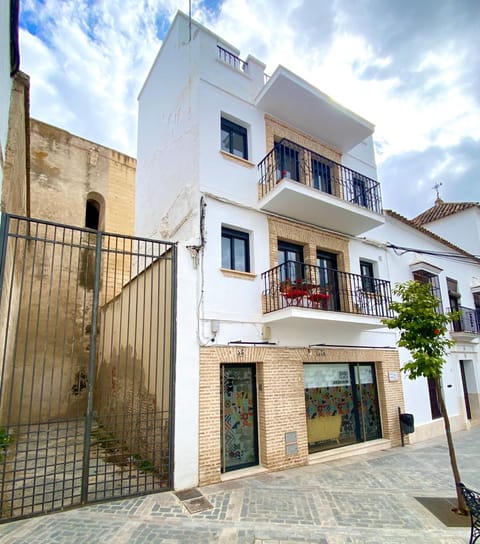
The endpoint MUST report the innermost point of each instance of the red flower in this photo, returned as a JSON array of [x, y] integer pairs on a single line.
[[436, 332]]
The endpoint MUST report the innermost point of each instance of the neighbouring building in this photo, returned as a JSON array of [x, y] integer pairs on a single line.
[[86, 336], [270, 187], [413, 252], [458, 222]]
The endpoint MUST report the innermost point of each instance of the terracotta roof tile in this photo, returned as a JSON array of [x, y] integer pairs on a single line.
[[442, 209]]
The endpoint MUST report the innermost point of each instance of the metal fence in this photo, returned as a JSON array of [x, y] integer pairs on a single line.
[[87, 366]]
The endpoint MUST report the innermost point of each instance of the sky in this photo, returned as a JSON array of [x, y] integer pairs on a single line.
[[410, 67]]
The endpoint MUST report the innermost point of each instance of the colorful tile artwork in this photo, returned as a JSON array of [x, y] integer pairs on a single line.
[[238, 417]]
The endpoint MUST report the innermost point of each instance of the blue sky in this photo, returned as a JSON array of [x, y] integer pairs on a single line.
[[410, 67]]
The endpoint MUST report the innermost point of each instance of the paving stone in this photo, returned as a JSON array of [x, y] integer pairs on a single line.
[[361, 500]]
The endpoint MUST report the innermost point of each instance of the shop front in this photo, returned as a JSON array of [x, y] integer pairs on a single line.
[[341, 403]]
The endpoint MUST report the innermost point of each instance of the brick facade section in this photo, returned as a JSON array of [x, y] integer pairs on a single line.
[[275, 130], [280, 399], [311, 238]]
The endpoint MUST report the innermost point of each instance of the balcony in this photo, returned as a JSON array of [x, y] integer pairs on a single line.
[[298, 290], [300, 184], [467, 328], [292, 99]]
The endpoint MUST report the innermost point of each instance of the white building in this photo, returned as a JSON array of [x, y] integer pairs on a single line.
[[458, 222], [453, 273], [282, 357]]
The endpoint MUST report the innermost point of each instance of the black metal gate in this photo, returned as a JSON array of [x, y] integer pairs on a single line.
[[87, 366]]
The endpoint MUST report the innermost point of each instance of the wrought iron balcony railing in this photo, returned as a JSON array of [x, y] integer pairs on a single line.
[[292, 161], [469, 321], [306, 286], [231, 59]]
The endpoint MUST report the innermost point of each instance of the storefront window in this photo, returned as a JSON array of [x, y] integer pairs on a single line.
[[341, 403]]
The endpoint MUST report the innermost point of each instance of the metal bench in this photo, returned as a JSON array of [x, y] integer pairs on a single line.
[[472, 498]]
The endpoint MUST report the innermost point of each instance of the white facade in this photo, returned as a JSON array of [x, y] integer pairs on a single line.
[[465, 271], [461, 228], [188, 189]]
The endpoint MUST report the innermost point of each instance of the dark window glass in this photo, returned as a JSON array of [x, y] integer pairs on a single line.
[[234, 139], [321, 176], [235, 250], [368, 280]]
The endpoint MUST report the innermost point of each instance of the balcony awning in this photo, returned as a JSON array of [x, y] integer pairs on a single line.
[[291, 99]]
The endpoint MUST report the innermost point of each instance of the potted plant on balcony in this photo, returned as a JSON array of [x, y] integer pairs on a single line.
[[319, 299], [293, 290]]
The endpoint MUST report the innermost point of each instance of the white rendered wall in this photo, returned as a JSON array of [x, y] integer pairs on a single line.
[[167, 165], [362, 159], [187, 384], [227, 178], [416, 392], [462, 229]]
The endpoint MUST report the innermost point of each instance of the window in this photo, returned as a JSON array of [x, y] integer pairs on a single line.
[[235, 250], [321, 176], [92, 214], [454, 301], [422, 276], [234, 138], [368, 280]]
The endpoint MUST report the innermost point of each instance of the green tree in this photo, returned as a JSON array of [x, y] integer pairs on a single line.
[[423, 331]]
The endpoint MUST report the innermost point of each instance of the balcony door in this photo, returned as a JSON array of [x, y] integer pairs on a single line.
[[286, 161], [321, 174], [328, 278], [290, 259]]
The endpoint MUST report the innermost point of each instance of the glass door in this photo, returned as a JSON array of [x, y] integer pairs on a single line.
[[328, 279], [290, 256], [239, 416]]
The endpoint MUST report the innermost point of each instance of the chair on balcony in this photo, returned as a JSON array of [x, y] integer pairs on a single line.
[[472, 498]]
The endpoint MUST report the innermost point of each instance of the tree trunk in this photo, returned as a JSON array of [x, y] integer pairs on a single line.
[[462, 507]]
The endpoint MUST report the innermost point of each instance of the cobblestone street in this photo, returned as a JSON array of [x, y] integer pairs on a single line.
[[369, 499]]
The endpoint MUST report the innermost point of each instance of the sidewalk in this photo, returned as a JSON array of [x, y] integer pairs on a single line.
[[361, 500]]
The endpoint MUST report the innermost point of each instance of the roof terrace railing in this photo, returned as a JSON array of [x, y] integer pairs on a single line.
[[231, 59], [288, 160]]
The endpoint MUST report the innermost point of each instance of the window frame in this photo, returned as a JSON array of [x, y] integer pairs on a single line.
[[232, 235], [233, 128], [424, 276], [368, 280]]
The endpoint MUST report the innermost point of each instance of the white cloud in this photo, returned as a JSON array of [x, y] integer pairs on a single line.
[[394, 67]]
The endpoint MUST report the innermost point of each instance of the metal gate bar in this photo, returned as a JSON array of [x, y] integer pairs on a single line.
[[87, 366]]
